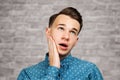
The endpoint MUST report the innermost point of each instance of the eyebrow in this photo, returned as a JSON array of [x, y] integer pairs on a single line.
[[72, 28], [62, 24], [75, 29]]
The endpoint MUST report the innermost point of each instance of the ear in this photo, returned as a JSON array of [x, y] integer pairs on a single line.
[[47, 31], [76, 40]]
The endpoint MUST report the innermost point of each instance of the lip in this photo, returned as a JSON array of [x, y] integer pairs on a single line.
[[63, 46]]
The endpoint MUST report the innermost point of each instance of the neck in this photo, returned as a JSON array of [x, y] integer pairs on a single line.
[[63, 56]]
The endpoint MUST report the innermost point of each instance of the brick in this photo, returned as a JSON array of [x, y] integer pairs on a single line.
[[23, 41]]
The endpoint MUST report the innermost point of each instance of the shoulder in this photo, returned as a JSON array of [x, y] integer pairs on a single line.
[[39, 65], [86, 68], [83, 63], [34, 68], [32, 71]]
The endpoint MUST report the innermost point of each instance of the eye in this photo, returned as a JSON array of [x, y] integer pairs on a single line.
[[60, 28], [73, 32]]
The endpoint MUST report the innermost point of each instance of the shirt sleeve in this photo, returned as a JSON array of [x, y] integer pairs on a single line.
[[23, 75], [51, 74], [96, 74]]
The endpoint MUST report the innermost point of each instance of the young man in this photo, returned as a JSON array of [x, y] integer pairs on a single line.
[[62, 35]]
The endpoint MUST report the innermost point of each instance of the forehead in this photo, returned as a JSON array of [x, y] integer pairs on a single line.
[[66, 20]]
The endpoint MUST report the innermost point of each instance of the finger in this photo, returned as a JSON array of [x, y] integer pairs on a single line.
[[50, 44], [54, 45]]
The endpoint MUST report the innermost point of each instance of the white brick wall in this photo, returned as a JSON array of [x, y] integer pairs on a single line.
[[23, 42]]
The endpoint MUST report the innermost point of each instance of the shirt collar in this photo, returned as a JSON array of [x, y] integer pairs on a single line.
[[67, 60], [64, 62]]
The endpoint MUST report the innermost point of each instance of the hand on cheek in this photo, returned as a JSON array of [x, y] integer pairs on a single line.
[[54, 59]]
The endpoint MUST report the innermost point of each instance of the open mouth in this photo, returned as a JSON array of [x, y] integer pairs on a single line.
[[63, 45]]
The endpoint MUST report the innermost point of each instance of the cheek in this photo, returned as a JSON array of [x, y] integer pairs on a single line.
[[73, 42], [55, 35]]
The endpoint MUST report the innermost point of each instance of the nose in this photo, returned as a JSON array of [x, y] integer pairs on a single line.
[[66, 36]]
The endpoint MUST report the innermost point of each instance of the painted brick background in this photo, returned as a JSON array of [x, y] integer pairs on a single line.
[[23, 42]]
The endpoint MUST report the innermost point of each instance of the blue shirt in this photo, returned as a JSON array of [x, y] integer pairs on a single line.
[[71, 68]]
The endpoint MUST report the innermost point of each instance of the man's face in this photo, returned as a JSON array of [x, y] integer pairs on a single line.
[[64, 31]]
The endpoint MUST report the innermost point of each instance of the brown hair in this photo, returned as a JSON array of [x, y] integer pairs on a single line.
[[71, 12]]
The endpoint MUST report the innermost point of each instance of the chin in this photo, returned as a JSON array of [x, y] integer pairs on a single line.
[[63, 54]]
